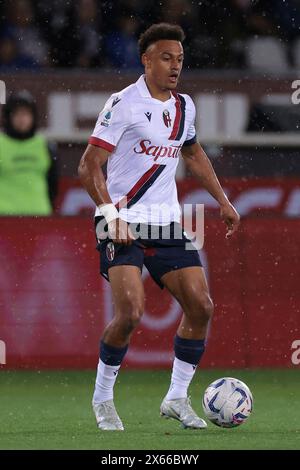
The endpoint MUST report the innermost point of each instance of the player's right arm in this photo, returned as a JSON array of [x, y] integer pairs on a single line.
[[92, 178]]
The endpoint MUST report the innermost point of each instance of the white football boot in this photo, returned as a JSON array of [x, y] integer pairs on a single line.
[[182, 410], [107, 417]]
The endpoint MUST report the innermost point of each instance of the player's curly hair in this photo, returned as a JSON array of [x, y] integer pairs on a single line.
[[159, 31]]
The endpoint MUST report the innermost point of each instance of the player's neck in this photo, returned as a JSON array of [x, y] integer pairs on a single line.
[[156, 92]]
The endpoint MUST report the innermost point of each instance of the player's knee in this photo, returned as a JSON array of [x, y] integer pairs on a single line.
[[134, 319], [202, 308], [132, 313], [207, 308]]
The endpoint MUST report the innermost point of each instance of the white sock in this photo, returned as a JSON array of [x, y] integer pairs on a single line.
[[105, 381], [182, 375]]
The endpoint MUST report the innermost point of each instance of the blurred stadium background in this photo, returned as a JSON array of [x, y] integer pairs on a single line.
[[242, 61]]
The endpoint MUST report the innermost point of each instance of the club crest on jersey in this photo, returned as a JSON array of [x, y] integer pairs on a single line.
[[166, 118], [110, 251]]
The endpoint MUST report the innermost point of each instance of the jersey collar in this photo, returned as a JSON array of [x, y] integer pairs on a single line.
[[142, 87], [144, 92]]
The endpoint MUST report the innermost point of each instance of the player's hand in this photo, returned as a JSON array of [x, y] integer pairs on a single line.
[[120, 232], [231, 218]]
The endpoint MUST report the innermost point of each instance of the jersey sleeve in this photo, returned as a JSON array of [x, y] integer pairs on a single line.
[[191, 137], [112, 122]]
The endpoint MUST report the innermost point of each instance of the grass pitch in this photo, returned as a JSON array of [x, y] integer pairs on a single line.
[[52, 410]]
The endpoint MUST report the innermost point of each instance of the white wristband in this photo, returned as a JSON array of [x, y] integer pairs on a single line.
[[109, 212]]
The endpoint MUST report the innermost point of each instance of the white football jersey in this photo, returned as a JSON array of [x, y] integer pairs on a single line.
[[144, 136]]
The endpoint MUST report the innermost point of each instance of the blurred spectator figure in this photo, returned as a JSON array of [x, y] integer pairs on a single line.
[[287, 15], [261, 20], [146, 13], [278, 19], [97, 33], [20, 25], [10, 58], [57, 22], [121, 44], [231, 53], [222, 28], [88, 34], [28, 176], [178, 12], [184, 13]]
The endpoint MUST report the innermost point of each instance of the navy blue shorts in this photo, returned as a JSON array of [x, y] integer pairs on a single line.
[[159, 256]]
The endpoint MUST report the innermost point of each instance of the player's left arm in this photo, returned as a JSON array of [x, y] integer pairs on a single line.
[[199, 165]]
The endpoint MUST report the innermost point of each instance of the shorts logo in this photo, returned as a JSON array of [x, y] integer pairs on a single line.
[[110, 251], [166, 118]]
